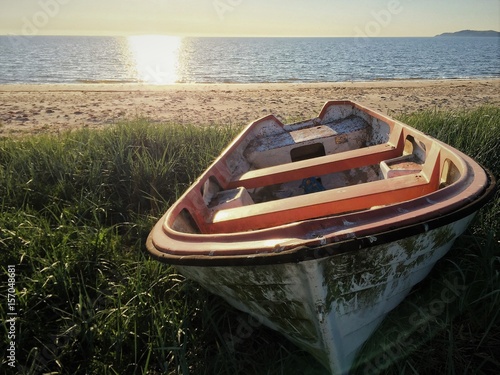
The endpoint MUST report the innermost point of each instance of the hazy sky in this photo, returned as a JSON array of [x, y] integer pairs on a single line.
[[247, 17]]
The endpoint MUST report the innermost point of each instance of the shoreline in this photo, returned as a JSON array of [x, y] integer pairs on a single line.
[[137, 86], [42, 108]]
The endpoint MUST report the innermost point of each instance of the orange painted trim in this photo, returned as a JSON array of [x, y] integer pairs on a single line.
[[315, 167], [325, 203]]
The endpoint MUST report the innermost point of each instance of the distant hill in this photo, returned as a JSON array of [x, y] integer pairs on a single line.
[[488, 33]]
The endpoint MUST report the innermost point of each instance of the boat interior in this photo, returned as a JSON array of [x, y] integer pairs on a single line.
[[347, 159]]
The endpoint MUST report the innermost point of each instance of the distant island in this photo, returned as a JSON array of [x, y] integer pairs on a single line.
[[469, 33]]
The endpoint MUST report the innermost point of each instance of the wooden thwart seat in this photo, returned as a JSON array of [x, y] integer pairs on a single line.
[[315, 167], [325, 203]]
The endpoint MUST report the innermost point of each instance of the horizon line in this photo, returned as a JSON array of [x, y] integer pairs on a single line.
[[220, 35], [196, 35]]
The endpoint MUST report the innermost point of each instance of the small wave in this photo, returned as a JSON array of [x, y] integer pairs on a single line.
[[105, 81]]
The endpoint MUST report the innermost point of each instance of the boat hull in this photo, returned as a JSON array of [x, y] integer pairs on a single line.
[[331, 305]]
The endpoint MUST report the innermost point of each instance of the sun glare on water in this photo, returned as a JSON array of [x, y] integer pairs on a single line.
[[156, 58]]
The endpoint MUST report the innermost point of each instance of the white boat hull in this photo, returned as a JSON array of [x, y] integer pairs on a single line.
[[331, 305]]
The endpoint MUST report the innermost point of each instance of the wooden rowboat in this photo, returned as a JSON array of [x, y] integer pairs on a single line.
[[320, 228]]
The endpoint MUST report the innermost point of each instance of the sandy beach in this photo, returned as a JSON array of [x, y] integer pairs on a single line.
[[30, 109]]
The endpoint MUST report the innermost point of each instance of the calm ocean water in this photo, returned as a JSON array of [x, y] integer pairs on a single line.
[[164, 60]]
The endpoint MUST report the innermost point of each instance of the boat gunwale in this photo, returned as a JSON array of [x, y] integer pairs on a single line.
[[303, 253]]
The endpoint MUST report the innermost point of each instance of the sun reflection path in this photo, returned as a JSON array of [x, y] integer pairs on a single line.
[[156, 58]]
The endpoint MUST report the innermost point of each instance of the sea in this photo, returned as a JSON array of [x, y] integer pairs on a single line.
[[160, 59]]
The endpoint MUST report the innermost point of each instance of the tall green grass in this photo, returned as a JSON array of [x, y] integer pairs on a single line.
[[75, 213]]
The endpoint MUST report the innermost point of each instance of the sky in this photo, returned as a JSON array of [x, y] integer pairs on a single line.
[[342, 18]]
